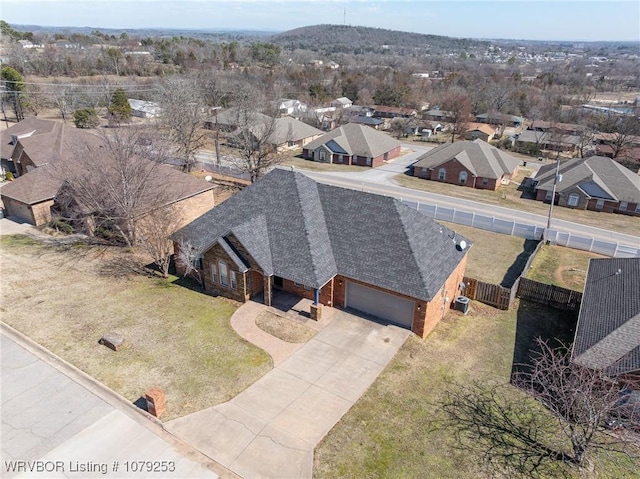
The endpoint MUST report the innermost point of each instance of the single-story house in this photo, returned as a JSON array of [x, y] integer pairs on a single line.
[[144, 109], [339, 247], [438, 115], [558, 127], [230, 119], [479, 131], [353, 144], [24, 133], [45, 157], [289, 132], [608, 331], [381, 111], [495, 118], [342, 102], [546, 140], [595, 183], [468, 163], [289, 107], [376, 123]]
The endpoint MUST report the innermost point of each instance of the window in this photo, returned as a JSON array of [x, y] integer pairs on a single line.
[[200, 263], [623, 206], [574, 199], [424, 171], [368, 161], [547, 197], [462, 178], [599, 204], [214, 274], [232, 277], [222, 266], [339, 160], [321, 156], [485, 181], [442, 174]]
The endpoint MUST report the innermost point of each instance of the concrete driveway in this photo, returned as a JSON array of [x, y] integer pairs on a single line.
[[271, 429]]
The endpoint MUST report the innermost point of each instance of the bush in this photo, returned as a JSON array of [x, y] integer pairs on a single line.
[[9, 176], [86, 118], [61, 225]]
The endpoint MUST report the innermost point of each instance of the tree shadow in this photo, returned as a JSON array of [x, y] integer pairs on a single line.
[[516, 268], [539, 321]]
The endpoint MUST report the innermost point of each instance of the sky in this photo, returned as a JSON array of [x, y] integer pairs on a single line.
[[570, 20]]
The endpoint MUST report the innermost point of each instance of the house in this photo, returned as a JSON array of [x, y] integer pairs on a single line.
[[25, 132], [438, 115], [475, 164], [339, 247], [43, 156], [144, 109], [288, 132], [608, 331], [495, 118], [342, 102], [353, 144], [288, 107], [479, 131], [557, 127], [535, 141], [376, 123], [595, 183], [381, 111], [232, 118]]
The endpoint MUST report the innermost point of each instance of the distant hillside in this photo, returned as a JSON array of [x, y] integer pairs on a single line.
[[353, 39]]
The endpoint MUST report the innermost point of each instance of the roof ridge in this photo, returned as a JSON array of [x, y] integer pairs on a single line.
[[606, 347], [401, 208]]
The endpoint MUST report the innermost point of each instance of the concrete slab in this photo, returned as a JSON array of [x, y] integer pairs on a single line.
[[350, 378], [312, 361]]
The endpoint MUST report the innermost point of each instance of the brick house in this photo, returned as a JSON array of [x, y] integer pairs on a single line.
[[48, 153], [596, 183], [479, 131], [353, 144], [336, 246], [474, 164], [608, 330]]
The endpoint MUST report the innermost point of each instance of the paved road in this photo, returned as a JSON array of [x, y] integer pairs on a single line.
[[271, 429], [61, 419], [348, 180]]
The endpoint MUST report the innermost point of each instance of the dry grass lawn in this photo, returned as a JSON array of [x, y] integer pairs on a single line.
[[175, 338], [298, 162], [390, 431], [494, 257], [284, 328], [561, 266], [510, 197]]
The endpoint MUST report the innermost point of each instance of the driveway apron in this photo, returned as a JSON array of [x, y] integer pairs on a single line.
[[271, 429]]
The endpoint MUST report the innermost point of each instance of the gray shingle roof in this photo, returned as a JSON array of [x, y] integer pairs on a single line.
[[608, 330], [32, 125], [288, 129], [477, 156], [614, 180], [357, 140], [308, 232]]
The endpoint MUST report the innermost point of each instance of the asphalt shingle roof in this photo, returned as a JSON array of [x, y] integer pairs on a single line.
[[308, 232], [358, 140], [616, 182], [480, 158], [32, 125], [608, 330]]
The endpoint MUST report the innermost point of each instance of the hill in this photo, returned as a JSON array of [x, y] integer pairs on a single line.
[[354, 39]]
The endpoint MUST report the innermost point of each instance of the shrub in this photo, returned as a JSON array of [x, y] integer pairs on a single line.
[[8, 176], [61, 225], [86, 118]]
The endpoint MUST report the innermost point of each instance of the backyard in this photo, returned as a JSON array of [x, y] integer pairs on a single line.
[[178, 339]]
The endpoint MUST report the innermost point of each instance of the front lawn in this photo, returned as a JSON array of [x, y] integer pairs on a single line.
[[301, 163], [390, 432], [66, 298]]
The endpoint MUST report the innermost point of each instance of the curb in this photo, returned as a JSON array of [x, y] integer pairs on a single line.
[[114, 399]]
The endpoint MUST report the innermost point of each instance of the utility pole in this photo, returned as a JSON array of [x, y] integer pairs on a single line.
[[556, 180]]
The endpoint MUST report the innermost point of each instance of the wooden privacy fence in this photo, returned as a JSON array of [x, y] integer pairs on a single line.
[[502, 298], [555, 296]]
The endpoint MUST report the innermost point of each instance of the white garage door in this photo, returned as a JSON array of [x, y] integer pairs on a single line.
[[383, 305]]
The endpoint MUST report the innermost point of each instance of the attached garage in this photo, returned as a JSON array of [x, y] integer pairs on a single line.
[[377, 303]]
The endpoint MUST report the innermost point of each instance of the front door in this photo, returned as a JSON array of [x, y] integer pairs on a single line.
[[277, 281]]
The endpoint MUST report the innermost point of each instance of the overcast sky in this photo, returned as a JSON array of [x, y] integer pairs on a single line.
[[580, 20]]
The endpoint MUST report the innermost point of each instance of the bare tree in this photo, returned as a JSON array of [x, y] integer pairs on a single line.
[[188, 258], [182, 117], [559, 423], [457, 103], [622, 132], [154, 232], [114, 180], [399, 126]]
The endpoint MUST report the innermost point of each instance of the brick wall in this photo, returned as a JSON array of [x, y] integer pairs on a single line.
[[213, 256], [38, 214], [326, 292]]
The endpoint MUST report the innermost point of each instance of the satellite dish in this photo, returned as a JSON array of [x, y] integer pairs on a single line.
[[208, 178]]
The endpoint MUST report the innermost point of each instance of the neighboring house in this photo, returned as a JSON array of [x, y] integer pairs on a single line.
[[290, 133], [561, 128], [339, 247], [438, 115], [353, 144], [342, 102], [596, 183], [52, 147], [288, 107], [546, 140], [475, 164], [358, 110], [230, 119], [494, 118], [144, 109], [376, 123], [608, 330], [25, 132], [479, 131], [381, 111]]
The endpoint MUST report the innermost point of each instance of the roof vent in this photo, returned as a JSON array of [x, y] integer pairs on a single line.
[[618, 272], [461, 246]]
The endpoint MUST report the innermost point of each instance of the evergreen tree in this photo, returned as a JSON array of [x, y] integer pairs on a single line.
[[120, 109], [15, 90], [86, 118]]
